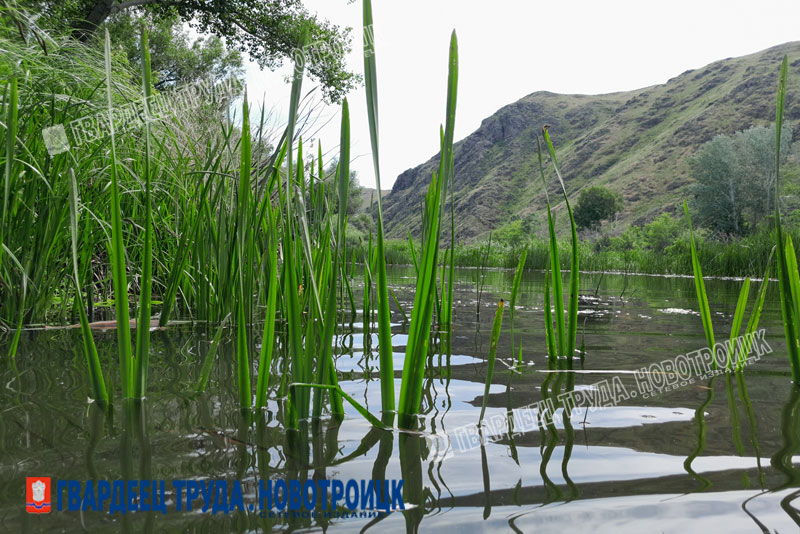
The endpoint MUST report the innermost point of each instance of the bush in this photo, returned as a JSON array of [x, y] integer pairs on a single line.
[[595, 205]]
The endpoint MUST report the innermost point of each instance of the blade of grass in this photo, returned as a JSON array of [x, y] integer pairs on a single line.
[[205, 371], [354, 403], [700, 287], [268, 339], [552, 352], [12, 118], [752, 324], [555, 264], [422, 312], [99, 393], [384, 315], [119, 273], [572, 311], [789, 304], [498, 321], [242, 207], [736, 325], [514, 290], [145, 293]]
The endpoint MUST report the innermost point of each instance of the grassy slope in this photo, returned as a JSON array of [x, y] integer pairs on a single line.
[[634, 142]]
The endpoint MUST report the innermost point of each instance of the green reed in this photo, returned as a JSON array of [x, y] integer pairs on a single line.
[[384, 315], [496, 325], [788, 278], [96, 380], [737, 352], [561, 342], [514, 291], [119, 273], [422, 311], [146, 290]]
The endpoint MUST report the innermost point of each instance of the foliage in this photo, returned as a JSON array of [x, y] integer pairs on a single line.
[[596, 204], [269, 32], [354, 197], [176, 58], [735, 179]]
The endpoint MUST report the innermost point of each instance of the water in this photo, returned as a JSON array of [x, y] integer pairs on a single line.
[[708, 456]]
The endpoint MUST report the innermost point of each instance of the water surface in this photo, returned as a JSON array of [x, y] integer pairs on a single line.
[[709, 456]]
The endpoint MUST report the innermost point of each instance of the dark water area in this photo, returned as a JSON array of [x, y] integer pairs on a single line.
[[707, 455]]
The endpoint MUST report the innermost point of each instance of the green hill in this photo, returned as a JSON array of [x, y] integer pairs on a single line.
[[634, 142]]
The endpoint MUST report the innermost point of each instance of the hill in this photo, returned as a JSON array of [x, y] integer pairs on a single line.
[[635, 142]]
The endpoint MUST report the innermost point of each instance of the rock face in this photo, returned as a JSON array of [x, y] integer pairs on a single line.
[[635, 142]]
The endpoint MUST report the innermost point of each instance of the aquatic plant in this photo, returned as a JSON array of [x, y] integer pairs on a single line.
[[384, 316], [514, 291], [422, 311], [496, 325], [119, 272], [561, 343], [788, 278], [736, 353]]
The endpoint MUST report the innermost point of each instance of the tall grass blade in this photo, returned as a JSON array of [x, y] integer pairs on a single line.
[[498, 321], [555, 265], [384, 315], [12, 117], [552, 350], [572, 311], [738, 316], [354, 403], [119, 274], [99, 393], [789, 300], [700, 287], [752, 324], [205, 371], [514, 290], [143, 324], [422, 312], [268, 339], [399, 306], [242, 210]]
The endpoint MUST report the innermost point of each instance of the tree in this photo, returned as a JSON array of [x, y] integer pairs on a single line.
[[354, 196], [268, 30], [175, 59], [735, 176], [596, 204]]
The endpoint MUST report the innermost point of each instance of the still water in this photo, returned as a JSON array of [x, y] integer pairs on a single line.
[[708, 456]]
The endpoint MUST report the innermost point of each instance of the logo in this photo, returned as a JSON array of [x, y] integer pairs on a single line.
[[37, 495]]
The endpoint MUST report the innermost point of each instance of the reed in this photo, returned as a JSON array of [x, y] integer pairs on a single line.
[[243, 288], [788, 278], [119, 273], [384, 315], [700, 287], [422, 312], [561, 342], [496, 325], [146, 290], [99, 393], [737, 353], [514, 291]]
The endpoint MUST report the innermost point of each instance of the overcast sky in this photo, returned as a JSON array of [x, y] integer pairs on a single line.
[[509, 49]]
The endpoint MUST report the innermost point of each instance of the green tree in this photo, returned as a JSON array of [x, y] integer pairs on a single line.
[[175, 58], [662, 232], [268, 31], [354, 197], [735, 176], [596, 204]]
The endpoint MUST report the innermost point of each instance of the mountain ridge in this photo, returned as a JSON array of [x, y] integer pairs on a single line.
[[634, 142]]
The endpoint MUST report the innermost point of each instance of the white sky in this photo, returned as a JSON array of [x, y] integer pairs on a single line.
[[511, 48]]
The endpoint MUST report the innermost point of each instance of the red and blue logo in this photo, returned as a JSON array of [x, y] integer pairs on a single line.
[[37, 495]]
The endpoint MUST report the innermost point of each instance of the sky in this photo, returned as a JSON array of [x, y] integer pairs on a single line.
[[509, 49]]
